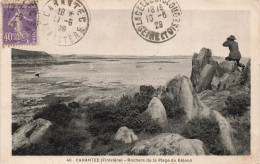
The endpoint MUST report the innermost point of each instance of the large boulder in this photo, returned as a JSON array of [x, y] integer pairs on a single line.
[[201, 76], [206, 77], [214, 100], [226, 81], [227, 75], [180, 90], [226, 132], [126, 135], [226, 67], [30, 133], [169, 144], [157, 112]]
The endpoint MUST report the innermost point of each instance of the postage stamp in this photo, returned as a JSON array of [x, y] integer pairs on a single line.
[[65, 22], [156, 21], [19, 23]]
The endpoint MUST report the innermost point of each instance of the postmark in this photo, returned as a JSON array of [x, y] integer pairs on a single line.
[[20, 20], [156, 21], [65, 22]]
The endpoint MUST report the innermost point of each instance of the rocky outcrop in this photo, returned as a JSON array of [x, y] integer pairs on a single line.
[[126, 135], [203, 70], [226, 81], [169, 144], [157, 112], [226, 132], [180, 90], [206, 77], [227, 75], [246, 77], [29, 133], [248, 72], [214, 100], [226, 67]]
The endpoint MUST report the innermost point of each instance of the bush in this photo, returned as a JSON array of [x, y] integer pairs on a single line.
[[207, 131], [241, 126], [172, 108], [73, 105], [147, 90], [103, 139], [237, 105], [105, 118], [57, 113], [151, 127], [141, 102]]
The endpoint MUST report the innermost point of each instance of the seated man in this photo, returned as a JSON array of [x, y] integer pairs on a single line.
[[234, 54]]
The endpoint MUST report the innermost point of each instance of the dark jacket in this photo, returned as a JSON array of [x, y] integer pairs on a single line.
[[233, 47]]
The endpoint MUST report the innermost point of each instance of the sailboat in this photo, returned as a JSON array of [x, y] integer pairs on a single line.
[[91, 67]]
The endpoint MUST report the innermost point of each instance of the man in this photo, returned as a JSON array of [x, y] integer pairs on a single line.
[[234, 54]]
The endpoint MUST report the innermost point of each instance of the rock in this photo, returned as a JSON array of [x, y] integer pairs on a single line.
[[227, 75], [247, 74], [226, 67], [181, 91], [157, 112], [126, 135], [169, 144], [206, 77], [29, 133], [226, 133], [226, 81], [214, 100], [199, 61]]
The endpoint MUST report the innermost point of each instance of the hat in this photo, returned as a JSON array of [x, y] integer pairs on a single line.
[[232, 37]]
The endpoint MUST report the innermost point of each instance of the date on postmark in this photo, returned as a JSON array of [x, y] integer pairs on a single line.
[[156, 21], [20, 19], [65, 22]]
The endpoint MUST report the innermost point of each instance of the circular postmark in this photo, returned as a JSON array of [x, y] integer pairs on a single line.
[[65, 22], [156, 20], [20, 20]]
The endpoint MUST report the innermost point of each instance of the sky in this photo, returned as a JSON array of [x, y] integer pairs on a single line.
[[111, 33]]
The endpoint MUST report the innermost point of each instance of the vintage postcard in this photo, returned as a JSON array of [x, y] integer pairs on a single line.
[[133, 81]]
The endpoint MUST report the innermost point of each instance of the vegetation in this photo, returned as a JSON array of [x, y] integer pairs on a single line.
[[58, 140], [73, 105], [105, 119], [73, 127], [207, 131], [172, 107], [241, 126], [237, 105], [101, 121], [57, 113], [63, 137]]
